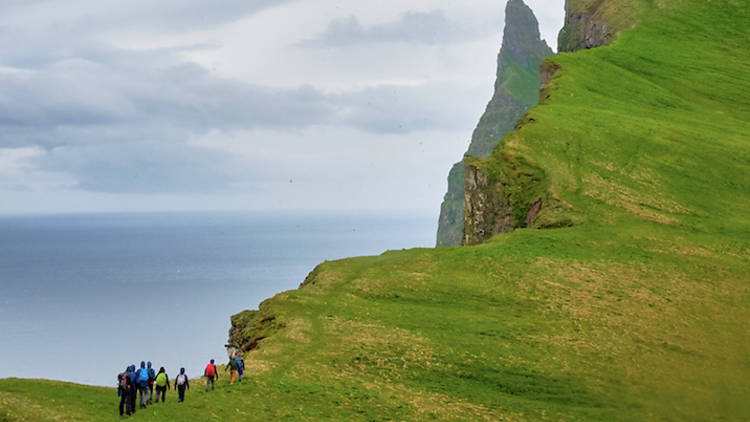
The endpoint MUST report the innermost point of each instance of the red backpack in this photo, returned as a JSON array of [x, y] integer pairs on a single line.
[[123, 381], [210, 370]]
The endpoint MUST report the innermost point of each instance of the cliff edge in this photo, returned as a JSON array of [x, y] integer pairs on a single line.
[[498, 196], [516, 90]]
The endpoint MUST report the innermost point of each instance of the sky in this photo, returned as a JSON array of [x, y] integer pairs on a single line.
[[180, 105]]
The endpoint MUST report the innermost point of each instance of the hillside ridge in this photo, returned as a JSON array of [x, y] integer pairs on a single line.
[[512, 195], [516, 89]]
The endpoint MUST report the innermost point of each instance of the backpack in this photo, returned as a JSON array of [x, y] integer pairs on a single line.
[[161, 379], [210, 370], [151, 375], [181, 379], [122, 381], [143, 375]]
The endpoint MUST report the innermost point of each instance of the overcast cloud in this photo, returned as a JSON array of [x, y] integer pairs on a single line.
[[431, 27], [141, 105]]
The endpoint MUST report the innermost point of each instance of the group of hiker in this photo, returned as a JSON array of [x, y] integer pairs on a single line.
[[139, 384]]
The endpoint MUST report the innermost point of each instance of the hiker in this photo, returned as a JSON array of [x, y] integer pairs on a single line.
[[162, 384], [210, 373], [132, 387], [151, 378], [232, 368], [143, 381], [123, 391], [180, 384], [240, 365]]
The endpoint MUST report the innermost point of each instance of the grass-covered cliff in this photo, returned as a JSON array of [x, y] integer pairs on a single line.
[[516, 90], [636, 311], [652, 128]]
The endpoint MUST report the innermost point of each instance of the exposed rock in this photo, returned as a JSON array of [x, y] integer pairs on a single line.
[[451, 222], [594, 23], [547, 70], [583, 31], [516, 90], [533, 212], [521, 39], [250, 327], [487, 211], [504, 193]]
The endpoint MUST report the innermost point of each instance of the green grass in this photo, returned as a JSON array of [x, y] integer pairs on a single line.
[[654, 127], [638, 312], [520, 81]]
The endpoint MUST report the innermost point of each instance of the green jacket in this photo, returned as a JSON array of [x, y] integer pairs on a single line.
[[233, 365]]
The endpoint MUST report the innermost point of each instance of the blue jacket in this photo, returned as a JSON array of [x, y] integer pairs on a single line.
[[132, 376], [143, 370]]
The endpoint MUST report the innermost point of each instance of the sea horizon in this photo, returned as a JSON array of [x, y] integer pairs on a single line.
[[90, 293]]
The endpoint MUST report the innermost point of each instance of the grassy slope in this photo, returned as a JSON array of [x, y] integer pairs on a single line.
[[638, 312]]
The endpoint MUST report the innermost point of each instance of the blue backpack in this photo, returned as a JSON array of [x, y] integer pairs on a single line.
[[143, 375]]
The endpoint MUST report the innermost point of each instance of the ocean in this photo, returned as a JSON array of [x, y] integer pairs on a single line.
[[83, 296]]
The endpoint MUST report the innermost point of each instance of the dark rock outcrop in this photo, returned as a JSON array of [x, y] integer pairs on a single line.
[[486, 207], [504, 194], [547, 70], [250, 327], [594, 23], [516, 90], [584, 31]]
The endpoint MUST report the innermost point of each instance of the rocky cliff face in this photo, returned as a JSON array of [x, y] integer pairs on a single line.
[[487, 207], [516, 90], [507, 194], [583, 30], [594, 23], [504, 194]]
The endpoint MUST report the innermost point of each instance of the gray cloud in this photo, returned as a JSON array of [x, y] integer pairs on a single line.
[[97, 15], [119, 121], [40, 32], [412, 27], [104, 118], [76, 99], [147, 167]]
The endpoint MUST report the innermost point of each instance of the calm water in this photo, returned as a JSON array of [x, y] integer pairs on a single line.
[[82, 296]]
